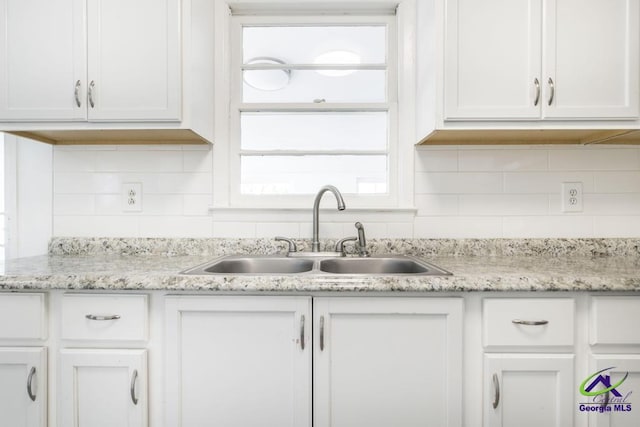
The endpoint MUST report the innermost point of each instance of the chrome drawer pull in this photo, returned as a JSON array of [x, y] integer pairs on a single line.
[[30, 392], [530, 322], [99, 317], [536, 82], [134, 377], [321, 333], [496, 391]]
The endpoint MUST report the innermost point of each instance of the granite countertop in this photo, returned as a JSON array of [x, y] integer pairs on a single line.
[[477, 265]]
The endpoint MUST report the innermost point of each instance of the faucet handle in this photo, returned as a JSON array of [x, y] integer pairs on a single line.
[[341, 242], [292, 245]]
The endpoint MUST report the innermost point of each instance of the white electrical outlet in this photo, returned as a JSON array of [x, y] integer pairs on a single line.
[[132, 197], [571, 197]]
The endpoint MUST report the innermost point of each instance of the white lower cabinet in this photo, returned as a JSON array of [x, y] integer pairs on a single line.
[[387, 362], [102, 388], [238, 361], [528, 390], [247, 361], [23, 387], [620, 407]]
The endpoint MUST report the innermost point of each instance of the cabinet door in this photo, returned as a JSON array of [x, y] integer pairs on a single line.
[[23, 387], [134, 59], [382, 362], [528, 390], [591, 54], [42, 56], [102, 388], [492, 59], [238, 361], [623, 409]]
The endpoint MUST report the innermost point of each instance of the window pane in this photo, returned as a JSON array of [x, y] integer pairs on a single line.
[[314, 131], [307, 86], [303, 44], [305, 174]]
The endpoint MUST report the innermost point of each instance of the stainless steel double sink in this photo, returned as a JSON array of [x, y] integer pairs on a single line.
[[283, 265]]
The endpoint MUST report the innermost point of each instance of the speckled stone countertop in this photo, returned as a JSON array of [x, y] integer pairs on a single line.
[[477, 265]]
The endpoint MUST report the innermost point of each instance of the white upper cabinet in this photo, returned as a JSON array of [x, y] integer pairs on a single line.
[[42, 55], [493, 58], [591, 54], [121, 63], [107, 71], [541, 59], [133, 59]]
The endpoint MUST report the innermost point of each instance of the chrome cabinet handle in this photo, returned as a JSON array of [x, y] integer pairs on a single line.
[[496, 391], [606, 400], [321, 333], [134, 377], [100, 317], [536, 82], [30, 392], [552, 87], [530, 322], [76, 93], [302, 332], [92, 85]]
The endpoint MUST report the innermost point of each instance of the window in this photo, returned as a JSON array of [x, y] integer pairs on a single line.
[[313, 102]]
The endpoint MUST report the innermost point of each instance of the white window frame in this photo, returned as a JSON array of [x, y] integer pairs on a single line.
[[400, 98]]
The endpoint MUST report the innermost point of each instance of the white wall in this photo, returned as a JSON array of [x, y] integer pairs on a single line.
[[459, 192], [28, 196]]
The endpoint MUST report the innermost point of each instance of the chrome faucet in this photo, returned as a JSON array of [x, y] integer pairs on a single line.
[[315, 244]]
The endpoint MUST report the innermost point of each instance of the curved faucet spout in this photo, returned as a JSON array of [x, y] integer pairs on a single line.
[[315, 244]]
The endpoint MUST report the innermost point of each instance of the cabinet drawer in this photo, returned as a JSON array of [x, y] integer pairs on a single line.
[[23, 316], [104, 317], [614, 320], [519, 322]]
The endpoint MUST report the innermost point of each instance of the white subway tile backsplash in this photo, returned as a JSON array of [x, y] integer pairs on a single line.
[[457, 227], [74, 204], [139, 161], [162, 204], [547, 226], [503, 160], [273, 229], [436, 204], [197, 161], [96, 225], [436, 161], [400, 230], [234, 229], [175, 226], [612, 204], [503, 204], [196, 204], [460, 192], [73, 161], [594, 159], [458, 183], [617, 182], [545, 182], [617, 226]]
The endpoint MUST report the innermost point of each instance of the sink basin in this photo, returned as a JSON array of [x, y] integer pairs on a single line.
[[254, 265], [278, 264], [381, 265]]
